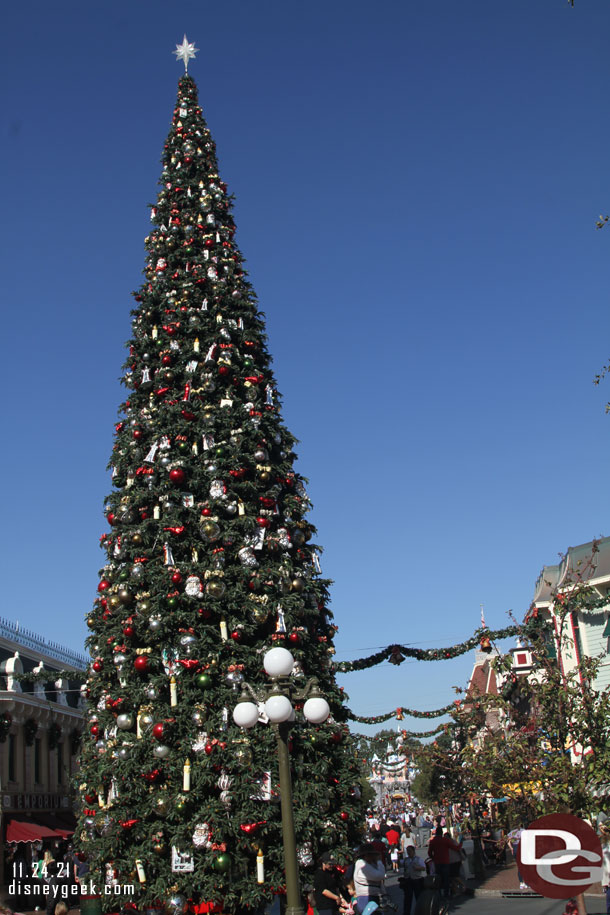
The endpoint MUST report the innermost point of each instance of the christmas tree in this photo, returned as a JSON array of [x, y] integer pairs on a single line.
[[210, 562]]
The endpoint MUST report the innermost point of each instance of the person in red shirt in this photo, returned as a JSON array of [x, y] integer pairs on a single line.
[[393, 838], [438, 849]]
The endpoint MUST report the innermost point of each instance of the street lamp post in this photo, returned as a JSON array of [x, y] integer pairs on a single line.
[[278, 663]]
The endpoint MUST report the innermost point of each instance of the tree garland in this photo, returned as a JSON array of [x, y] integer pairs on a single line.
[[413, 734], [401, 713], [396, 654], [50, 676]]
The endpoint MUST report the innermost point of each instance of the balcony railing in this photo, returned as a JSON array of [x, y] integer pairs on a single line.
[[29, 639]]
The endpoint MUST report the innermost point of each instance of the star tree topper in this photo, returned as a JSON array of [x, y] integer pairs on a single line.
[[185, 52]]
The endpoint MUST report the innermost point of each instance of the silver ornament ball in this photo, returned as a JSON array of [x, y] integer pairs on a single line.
[[176, 905]]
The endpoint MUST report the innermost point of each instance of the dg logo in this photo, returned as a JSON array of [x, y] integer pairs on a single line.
[[559, 856]]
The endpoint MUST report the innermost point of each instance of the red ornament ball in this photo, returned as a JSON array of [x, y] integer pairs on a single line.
[[129, 632], [138, 434], [177, 475], [166, 359], [94, 730], [97, 665], [206, 512], [223, 370], [111, 518], [209, 749], [344, 815], [141, 664], [158, 730], [176, 578], [103, 585], [263, 522], [294, 638], [236, 635]]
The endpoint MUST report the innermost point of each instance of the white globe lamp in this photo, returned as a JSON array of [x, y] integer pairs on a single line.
[[278, 662], [316, 710], [278, 708], [245, 714]]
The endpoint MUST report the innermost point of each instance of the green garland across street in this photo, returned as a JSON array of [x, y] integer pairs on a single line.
[[396, 654], [401, 713]]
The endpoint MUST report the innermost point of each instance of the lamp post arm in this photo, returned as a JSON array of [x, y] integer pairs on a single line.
[[312, 686], [248, 692]]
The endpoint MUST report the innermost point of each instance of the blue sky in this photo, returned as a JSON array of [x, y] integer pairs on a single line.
[[417, 186]]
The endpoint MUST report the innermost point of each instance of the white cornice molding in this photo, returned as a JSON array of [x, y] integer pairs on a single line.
[[35, 707]]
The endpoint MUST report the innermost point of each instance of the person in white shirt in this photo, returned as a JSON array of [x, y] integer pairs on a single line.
[[369, 874], [406, 841], [413, 881]]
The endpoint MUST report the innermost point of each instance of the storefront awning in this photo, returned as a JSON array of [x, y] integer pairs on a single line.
[[20, 831], [62, 822]]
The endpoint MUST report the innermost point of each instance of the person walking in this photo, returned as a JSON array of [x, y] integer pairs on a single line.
[[393, 840], [439, 852], [406, 841], [514, 838], [413, 881], [327, 895], [369, 874]]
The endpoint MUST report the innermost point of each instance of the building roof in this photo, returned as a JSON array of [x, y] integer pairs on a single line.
[[30, 644], [546, 585], [588, 562], [483, 679]]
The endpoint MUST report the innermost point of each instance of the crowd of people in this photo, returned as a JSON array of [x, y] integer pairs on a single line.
[[414, 845], [420, 849], [43, 876]]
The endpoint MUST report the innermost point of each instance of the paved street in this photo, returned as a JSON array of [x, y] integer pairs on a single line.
[[498, 905], [494, 905]]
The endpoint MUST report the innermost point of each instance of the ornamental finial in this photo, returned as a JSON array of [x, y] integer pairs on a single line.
[[185, 52]]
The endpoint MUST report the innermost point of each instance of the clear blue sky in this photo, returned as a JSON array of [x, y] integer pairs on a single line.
[[417, 186]]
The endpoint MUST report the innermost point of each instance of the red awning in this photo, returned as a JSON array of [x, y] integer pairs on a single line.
[[62, 821], [20, 831]]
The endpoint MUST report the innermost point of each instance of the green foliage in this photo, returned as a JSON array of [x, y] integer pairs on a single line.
[[543, 743], [210, 561]]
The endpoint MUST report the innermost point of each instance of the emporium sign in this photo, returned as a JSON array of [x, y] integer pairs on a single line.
[[34, 801], [559, 856]]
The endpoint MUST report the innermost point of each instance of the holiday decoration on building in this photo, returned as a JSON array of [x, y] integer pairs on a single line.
[[210, 561], [396, 654], [400, 713]]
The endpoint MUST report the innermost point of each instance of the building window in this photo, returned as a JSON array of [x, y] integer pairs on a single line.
[[11, 757], [37, 761]]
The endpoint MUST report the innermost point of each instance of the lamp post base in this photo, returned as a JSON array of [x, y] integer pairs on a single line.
[[293, 910]]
